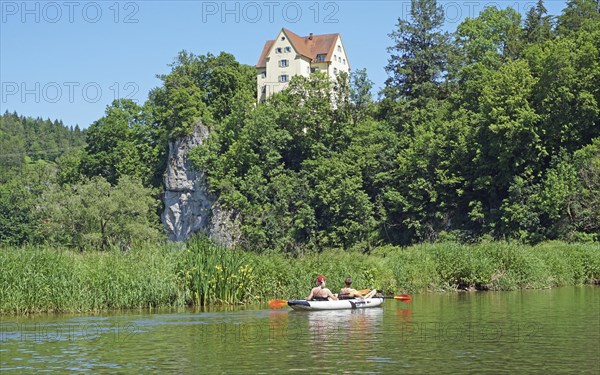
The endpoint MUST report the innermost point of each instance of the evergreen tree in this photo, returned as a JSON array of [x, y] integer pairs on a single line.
[[538, 24], [419, 54], [579, 14]]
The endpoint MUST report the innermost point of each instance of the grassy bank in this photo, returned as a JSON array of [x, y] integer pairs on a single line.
[[43, 279]]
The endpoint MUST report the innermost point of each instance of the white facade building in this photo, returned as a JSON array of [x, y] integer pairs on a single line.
[[290, 54]]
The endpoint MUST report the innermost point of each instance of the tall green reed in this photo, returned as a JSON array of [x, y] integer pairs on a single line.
[[215, 274]]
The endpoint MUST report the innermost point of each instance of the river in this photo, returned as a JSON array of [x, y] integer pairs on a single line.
[[554, 331]]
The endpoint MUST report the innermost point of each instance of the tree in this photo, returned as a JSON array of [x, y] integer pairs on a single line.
[[566, 95], [483, 45], [17, 222], [124, 143], [579, 14], [360, 95], [343, 211], [584, 205], [93, 214], [25, 137], [419, 54], [19, 199], [538, 25], [201, 87]]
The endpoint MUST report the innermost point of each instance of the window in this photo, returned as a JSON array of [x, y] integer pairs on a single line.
[[339, 59], [334, 70], [344, 61], [283, 63], [288, 49], [283, 38], [278, 50], [283, 78], [339, 48], [264, 89], [321, 57], [334, 57], [312, 70], [263, 75]]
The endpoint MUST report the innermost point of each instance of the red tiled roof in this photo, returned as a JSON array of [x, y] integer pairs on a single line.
[[262, 61], [306, 46]]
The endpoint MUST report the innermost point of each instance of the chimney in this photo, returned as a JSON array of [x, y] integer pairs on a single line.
[[310, 36]]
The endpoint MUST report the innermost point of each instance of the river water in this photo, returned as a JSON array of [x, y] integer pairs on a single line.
[[553, 331]]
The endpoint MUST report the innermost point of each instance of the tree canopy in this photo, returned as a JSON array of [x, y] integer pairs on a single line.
[[493, 135]]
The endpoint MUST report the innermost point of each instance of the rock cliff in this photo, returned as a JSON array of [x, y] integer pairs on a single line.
[[189, 206]]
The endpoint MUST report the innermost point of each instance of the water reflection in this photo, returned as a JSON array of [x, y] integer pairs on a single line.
[[338, 324], [442, 334]]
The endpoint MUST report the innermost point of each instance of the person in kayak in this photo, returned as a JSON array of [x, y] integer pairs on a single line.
[[320, 292], [348, 292]]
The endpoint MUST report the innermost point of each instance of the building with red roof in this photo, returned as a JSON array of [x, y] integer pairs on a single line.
[[290, 54]]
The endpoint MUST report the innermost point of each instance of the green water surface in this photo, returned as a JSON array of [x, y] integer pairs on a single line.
[[525, 332]]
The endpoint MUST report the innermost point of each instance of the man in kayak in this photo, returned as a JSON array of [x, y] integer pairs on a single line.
[[320, 293], [348, 292]]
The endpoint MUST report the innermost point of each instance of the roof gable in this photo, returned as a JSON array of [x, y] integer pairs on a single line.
[[307, 46], [262, 61]]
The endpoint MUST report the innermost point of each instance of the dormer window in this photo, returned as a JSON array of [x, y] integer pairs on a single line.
[[321, 57], [283, 63]]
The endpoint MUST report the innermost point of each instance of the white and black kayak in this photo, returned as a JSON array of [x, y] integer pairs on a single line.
[[343, 304]]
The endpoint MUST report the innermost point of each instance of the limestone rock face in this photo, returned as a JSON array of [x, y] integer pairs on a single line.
[[189, 206]]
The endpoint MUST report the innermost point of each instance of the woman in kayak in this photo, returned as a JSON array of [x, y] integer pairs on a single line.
[[348, 292], [320, 293]]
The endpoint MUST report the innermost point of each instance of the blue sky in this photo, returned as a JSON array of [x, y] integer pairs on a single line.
[[69, 59]]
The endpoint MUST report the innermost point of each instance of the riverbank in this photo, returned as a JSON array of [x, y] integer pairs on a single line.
[[40, 279]]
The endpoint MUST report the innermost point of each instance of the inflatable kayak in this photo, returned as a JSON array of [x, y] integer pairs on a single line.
[[355, 303]]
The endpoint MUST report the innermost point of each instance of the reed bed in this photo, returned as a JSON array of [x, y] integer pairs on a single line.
[[44, 279]]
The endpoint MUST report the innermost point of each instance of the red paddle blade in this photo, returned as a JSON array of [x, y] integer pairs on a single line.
[[277, 303], [403, 297]]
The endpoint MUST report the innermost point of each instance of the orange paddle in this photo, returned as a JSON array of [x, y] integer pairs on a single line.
[[277, 303], [403, 297]]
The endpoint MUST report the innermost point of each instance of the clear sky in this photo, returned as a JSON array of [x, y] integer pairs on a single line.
[[69, 59]]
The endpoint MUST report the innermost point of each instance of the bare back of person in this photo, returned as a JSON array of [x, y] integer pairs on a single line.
[[320, 292]]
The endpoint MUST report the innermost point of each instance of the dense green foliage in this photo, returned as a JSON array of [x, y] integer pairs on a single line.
[[59, 188], [488, 132], [492, 135], [46, 279], [201, 87], [124, 143], [24, 140], [94, 214], [30, 152]]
